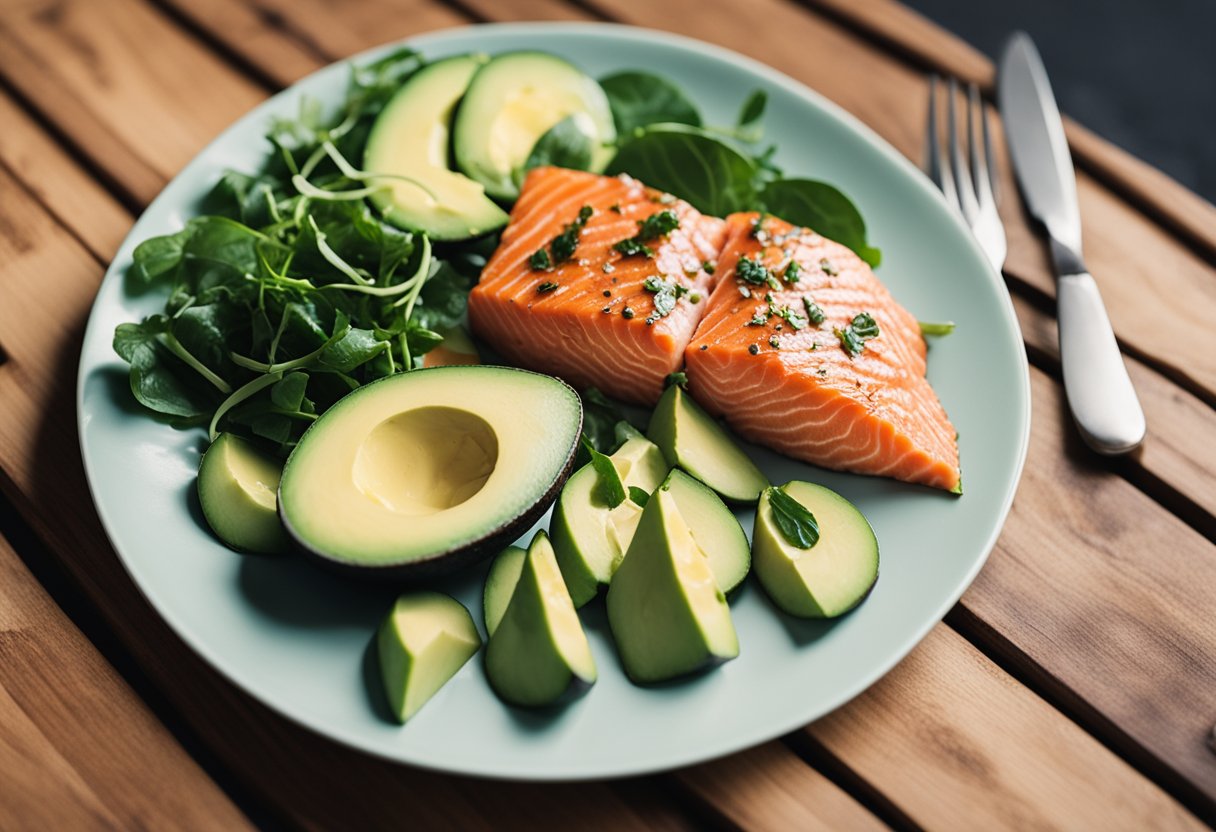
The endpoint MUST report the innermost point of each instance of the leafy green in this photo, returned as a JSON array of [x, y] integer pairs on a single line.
[[748, 126], [601, 416], [944, 328], [564, 145], [639, 99], [794, 520], [823, 208], [608, 487], [853, 337], [693, 164], [639, 495]]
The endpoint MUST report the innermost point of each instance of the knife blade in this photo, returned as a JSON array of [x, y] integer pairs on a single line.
[[1100, 393]]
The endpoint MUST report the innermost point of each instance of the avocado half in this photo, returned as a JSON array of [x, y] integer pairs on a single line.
[[421, 473]]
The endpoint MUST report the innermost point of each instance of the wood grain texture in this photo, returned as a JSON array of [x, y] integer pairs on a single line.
[[769, 787], [78, 748], [904, 30], [1148, 280], [982, 752]]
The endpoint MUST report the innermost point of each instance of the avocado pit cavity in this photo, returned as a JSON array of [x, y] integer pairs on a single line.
[[426, 460]]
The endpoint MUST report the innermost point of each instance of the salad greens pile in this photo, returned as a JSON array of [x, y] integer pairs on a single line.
[[289, 290]]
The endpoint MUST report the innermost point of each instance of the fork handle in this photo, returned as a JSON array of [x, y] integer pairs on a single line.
[[1100, 394]]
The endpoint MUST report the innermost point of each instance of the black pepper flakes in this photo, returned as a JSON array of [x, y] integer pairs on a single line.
[[627, 312], [607, 293], [754, 349]]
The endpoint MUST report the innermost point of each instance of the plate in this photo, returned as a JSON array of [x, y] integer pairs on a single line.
[[297, 639]]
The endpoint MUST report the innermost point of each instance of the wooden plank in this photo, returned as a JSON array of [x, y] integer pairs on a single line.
[[286, 39], [1149, 281], [980, 751], [58, 183], [899, 27], [1180, 453], [78, 747], [293, 768], [1104, 598], [768, 787]]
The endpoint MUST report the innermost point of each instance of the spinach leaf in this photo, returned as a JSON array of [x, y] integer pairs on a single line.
[[794, 520], [288, 392], [639, 495], [639, 99], [748, 127], [158, 256], [352, 349], [600, 418], [692, 164], [821, 207], [159, 381], [566, 144]]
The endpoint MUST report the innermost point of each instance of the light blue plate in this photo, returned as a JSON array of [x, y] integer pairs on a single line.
[[296, 638]]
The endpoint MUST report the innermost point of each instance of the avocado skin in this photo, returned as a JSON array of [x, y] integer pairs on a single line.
[[443, 563]]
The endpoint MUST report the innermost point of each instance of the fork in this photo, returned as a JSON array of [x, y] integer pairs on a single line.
[[970, 188]]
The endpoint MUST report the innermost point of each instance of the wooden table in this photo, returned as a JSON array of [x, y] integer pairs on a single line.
[[1073, 686]]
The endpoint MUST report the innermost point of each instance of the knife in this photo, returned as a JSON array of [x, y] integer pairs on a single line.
[[1100, 394]]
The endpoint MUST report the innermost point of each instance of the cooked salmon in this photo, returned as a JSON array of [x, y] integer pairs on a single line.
[[817, 360], [558, 296]]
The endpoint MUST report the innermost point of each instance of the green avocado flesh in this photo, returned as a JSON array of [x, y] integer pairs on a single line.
[[693, 441], [589, 537], [714, 528], [831, 577], [538, 653], [421, 644], [423, 472], [408, 144], [236, 488], [511, 102], [500, 585], [667, 614]]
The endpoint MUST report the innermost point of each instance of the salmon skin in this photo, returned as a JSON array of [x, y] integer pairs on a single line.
[[784, 381], [597, 319]]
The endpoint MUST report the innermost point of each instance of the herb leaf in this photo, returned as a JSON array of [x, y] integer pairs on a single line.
[[565, 145], [751, 271], [814, 313], [853, 337], [639, 99], [653, 227], [819, 206], [794, 520], [540, 260], [945, 328], [748, 127], [601, 417], [639, 495], [608, 486]]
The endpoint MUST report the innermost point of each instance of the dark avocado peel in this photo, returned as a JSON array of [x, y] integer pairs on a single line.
[[420, 474]]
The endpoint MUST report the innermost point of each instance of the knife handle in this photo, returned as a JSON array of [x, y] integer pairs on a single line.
[[1100, 394]]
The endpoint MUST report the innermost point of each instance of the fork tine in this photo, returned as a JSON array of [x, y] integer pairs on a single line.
[[994, 184], [935, 161], [962, 173], [981, 148]]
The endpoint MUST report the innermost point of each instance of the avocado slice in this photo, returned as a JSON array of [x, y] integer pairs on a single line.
[[408, 143], [511, 102], [714, 527], [423, 641], [538, 653], [667, 614], [236, 488], [500, 585], [589, 537], [831, 577], [423, 472], [691, 439]]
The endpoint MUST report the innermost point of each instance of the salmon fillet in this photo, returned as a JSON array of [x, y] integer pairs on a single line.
[[591, 319], [797, 389]]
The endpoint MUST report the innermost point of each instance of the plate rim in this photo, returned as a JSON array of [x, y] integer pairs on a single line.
[[669, 760]]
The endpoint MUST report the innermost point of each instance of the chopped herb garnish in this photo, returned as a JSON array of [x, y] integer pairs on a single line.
[[813, 312], [757, 320], [680, 378], [653, 227], [853, 337], [547, 286], [792, 272], [774, 342], [540, 260], [615, 207], [828, 266], [791, 317], [751, 271], [936, 329], [627, 312], [694, 298], [709, 266], [565, 244], [759, 232], [666, 293], [754, 349], [794, 520]]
